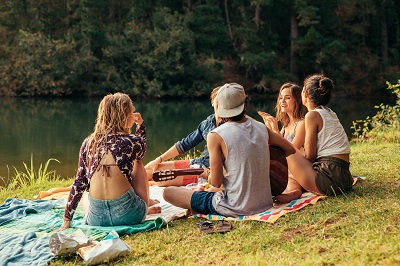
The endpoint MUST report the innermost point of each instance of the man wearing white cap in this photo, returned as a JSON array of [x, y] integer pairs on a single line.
[[240, 147]]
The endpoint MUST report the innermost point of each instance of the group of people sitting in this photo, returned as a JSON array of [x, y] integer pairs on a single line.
[[235, 159]]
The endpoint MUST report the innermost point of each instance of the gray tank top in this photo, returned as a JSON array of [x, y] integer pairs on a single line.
[[246, 185]]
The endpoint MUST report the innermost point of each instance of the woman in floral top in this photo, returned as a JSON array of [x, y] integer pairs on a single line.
[[110, 168]]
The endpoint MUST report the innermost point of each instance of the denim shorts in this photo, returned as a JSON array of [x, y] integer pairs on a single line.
[[332, 176], [201, 202], [129, 209]]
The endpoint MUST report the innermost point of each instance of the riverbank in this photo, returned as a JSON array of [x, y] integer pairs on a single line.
[[359, 228]]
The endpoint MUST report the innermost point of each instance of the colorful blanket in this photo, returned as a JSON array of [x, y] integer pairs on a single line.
[[26, 225], [272, 214]]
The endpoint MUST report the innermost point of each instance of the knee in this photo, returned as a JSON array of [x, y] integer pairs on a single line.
[[167, 194]]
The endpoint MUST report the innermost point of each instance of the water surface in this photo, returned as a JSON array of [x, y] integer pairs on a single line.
[[55, 128]]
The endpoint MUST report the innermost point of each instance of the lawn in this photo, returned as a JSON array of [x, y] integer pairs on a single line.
[[359, 228]]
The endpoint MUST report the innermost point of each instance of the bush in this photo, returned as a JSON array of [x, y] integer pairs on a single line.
[[385, 124]]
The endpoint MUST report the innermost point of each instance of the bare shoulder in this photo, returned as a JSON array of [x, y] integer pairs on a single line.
[[312, 115], [213, 137]]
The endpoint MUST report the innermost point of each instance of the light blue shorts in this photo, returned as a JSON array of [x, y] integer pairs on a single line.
[[129, 209]]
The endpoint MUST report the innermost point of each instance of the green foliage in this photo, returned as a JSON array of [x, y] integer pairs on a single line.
[[385, 124], [162, 59], [39, 66], [31, 176], [209, 31], [175, 48]]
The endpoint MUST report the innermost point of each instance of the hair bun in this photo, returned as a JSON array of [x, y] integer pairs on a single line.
[[325, 84]]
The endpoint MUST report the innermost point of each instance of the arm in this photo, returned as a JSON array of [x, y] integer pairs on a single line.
[[300, 135], [277, 140], [139, 141], [81, 183], [216, 159], [140, 126], [187, 143], [195, 137], [270, 121], [169, 154], [312, 121]]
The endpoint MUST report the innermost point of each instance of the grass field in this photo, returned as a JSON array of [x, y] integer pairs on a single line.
[[359, 228]]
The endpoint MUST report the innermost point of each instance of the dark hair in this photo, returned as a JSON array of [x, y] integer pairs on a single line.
[[299, 109], [319, 89]]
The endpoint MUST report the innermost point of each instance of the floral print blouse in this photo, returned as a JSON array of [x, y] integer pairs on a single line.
[[125, 148]]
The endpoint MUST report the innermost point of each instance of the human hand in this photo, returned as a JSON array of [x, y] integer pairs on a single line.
[[137, 117], [206, 173], [153, 165], [269, 121], [65, 225]]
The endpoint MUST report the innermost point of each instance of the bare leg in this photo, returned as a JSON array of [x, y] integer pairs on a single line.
[[178, 196], [293, 191], [299, 166], [141, 186], [303, 172]]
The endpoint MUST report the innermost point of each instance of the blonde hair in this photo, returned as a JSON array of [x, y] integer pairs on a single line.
[[112, 116], [214, 93]]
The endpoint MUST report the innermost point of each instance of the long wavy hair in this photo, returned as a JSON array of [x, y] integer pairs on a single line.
[[112, 115], [299, 110]]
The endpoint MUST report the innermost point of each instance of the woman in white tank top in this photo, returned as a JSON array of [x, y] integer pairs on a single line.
[[326, 145]]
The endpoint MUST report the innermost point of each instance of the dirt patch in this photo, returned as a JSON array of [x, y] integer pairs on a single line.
[[301, 230]]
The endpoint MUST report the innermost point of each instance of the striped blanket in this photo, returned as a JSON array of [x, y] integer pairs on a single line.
[[272, 214]]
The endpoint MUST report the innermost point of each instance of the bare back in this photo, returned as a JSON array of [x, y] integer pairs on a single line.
[[107, 181]]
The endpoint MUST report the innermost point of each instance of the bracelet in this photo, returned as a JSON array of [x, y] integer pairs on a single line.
[[160, 159]]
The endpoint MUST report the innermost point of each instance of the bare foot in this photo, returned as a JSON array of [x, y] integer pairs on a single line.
[[154, 210], [153, 202], [190, 213], [287, 197]]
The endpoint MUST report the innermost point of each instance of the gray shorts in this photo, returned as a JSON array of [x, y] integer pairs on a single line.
[[332, 175]]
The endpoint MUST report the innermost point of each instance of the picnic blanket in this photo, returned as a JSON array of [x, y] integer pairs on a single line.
[[272, 214], [26, 225]]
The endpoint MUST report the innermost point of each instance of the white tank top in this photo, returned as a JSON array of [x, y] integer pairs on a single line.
[[246, 185], [332, 138]]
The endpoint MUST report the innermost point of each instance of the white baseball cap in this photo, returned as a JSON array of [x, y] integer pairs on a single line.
[[231, 98]]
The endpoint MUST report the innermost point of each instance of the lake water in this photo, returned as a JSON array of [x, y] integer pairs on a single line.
[[55, 128]]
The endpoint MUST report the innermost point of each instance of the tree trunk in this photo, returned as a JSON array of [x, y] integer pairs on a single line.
[[228, 22], [294, 33], [384, 35], [257, 15]]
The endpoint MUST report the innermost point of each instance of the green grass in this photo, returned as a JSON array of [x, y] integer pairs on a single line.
[[359, 228]]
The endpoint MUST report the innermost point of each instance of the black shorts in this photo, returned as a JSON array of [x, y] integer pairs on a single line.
[[332, 176]]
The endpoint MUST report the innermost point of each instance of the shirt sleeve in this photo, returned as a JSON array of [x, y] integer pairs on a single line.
[[141, 131], [81, 183], [192, 140], [139, 143]]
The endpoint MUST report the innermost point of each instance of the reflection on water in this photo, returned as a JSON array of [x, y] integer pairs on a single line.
[[55, 128]]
